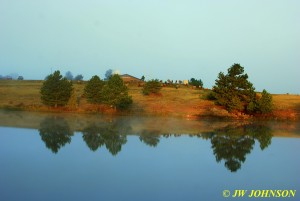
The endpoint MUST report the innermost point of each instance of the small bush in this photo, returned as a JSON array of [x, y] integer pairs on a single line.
[[265, 103], [209, 96], [235, 104], [262, 105], [124, 102], [152, 87], [252, 107], [196, 83]]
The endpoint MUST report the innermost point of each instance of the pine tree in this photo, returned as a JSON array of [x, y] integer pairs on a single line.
[[115, 93], [265, 103], [93, 90], [233, 90], [56, 90]]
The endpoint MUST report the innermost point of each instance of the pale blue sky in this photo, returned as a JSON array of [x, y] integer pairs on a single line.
[[161, 39]]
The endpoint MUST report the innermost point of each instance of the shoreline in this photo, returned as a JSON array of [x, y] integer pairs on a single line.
[[183, 102], [158, 125], [217, 114]]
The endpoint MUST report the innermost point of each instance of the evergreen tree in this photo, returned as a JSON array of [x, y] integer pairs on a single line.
[[265, 103], [196, 83], [152, 87], [233, 90], [115, 93], [93, 90], [56, 90], [252, 107]]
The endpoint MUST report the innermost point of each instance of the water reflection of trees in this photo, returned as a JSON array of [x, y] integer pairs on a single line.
[[55, 132], [232, 144], [150, 137], [112, 135]]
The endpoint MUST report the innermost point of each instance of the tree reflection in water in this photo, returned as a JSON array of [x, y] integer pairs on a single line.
[[92, 136], [55, 132], [232, 144], [112, 135], [150, 137]]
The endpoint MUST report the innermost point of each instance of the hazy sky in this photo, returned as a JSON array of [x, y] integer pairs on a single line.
[[164, 39]]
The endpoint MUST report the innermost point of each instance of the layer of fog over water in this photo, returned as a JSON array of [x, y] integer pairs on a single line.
[[93, 157]]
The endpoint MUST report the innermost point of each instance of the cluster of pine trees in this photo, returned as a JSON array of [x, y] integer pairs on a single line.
[[232, 90], [236, 93], [58, 91], [112, 92]]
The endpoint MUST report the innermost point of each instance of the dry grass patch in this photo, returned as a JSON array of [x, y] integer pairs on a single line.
[[284, 101], [286, 106], [182, 102], [171, 101], [14, 93]]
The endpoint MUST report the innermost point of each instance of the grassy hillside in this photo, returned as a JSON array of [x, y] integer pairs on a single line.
[[183, 102]]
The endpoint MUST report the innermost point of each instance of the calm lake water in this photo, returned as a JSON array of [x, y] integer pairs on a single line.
[[67, 157]]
